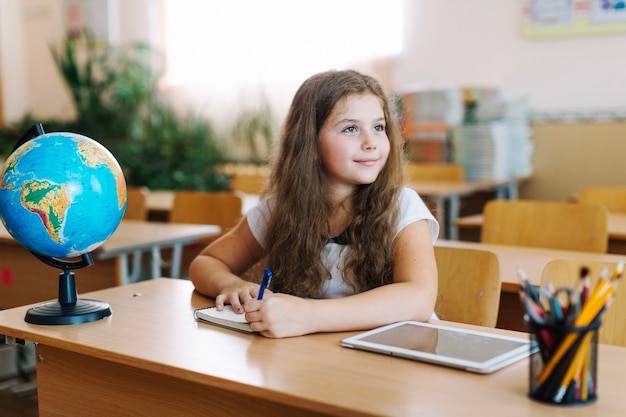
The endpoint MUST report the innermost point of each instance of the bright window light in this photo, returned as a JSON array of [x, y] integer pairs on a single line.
[[231, 46]]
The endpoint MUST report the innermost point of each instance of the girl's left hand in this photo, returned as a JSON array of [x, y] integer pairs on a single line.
[[279, 315]]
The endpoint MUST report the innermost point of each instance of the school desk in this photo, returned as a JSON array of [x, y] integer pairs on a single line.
[[616, 225], [25, 279], [446, 197], [532, 261], [151, 358]]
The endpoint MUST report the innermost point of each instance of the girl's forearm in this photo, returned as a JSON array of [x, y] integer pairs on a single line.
[[209, 275], [373, 308]]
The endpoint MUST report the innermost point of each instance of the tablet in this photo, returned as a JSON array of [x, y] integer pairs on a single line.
[[439, 344]]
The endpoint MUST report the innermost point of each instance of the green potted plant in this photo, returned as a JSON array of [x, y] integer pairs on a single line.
[[117, 103], [253, 131]]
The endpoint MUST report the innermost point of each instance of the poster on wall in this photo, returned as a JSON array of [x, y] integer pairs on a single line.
[[548, 18]]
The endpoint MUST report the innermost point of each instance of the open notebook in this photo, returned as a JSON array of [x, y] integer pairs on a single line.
[[437, 343], [225, 318]]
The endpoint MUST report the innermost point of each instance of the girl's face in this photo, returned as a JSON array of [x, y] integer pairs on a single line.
[[353, 143]]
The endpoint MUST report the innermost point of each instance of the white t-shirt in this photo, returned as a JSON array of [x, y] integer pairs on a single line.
[[412, 209]]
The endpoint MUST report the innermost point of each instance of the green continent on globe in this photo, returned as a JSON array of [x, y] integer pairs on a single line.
[[50, 202], [96, 157]]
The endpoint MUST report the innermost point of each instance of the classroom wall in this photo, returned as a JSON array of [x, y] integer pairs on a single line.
[[12, 61], [447, 42], [571, 156], [480, 43], [29, 28], [570, 81]]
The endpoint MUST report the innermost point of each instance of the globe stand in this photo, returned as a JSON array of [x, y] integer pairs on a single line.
[[69, 309]]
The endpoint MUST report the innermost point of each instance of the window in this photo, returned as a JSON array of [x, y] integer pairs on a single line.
[[222, 53]]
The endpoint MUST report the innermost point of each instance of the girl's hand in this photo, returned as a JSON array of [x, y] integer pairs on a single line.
[[237, 295], [280, 315]]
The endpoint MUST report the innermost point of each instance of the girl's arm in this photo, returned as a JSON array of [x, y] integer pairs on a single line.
[[412, 296], [216, 271]]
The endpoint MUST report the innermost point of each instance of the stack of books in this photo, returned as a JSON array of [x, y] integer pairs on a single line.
[[493, 142], [493, 151], [427, 114]]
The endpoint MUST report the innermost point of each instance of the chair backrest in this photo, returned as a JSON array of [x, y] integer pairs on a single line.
[[469, 286], [435, 171], [566, 272], [136, 207], [248, 183], [546, 224], [613, 198], [221, 208]]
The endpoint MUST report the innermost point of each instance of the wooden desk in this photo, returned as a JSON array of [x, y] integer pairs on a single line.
[[135, 237], [150, 358], [532, 261], [27, 280], [446, 196], [616, 225]]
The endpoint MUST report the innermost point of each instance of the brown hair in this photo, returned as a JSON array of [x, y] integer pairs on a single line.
[[298, 228]]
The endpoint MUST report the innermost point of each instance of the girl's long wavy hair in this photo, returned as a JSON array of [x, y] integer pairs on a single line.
[[298, 228]]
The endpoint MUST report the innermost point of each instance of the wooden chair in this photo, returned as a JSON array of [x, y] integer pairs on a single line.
[[136, 208], [248, 183], [435, 171], [469, 286], [562, 272], [546, 224], [613, 198], [222, 209]]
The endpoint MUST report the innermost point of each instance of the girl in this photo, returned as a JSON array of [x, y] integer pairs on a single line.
[[350, 248]]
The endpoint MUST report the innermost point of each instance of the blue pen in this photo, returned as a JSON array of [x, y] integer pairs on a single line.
[[265, 282]]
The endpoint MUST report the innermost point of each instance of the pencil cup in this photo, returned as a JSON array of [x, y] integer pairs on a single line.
[[564, 368]]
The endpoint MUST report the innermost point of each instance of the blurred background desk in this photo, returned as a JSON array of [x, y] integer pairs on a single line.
[[25, 279], [135, 237], [533, 261], [168, 364], [446, 197], [443, 197]]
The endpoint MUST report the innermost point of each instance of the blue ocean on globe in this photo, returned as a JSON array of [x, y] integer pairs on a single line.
[[61, 194]]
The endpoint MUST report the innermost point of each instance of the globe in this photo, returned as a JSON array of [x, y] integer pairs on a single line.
[[61, 194]]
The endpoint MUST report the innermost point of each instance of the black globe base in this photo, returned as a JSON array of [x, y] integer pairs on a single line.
[[56, 313], [69, 309]]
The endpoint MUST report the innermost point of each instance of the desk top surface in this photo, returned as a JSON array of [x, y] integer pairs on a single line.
[[135, 234], [152, 328], [451, 188]]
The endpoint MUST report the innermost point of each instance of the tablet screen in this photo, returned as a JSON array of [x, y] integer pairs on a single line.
[[468, 349], [446, 342]]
